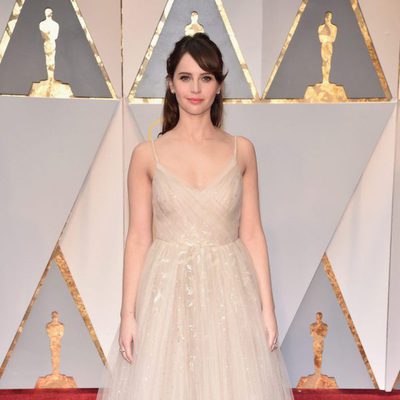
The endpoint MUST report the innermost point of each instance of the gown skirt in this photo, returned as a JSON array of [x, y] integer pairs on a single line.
[[200, 332]]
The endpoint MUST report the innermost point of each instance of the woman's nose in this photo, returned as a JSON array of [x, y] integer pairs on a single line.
[[195, 86]]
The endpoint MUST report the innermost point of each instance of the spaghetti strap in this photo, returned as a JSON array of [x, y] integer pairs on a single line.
[[235, 150], [154, 151]]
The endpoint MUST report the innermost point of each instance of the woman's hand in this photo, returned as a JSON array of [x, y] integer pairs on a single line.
[[127, 336], [271, 328]]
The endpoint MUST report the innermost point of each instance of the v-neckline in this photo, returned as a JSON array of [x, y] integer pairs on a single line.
[[213, 182]]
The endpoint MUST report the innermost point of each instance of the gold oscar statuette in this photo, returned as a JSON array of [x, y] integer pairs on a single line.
[[55, 332], [50, 87], [326, 91], [318, 330], [194, 26]]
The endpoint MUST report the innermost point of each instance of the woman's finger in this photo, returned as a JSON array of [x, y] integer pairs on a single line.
[[127, 354], [125, 349], [273, 342]]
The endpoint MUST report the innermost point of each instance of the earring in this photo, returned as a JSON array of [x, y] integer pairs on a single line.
[[172, 91], [219, 92]]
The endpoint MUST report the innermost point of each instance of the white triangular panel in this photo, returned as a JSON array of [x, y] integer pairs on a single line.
[[92, 240], [360, 252], [108, 41], [393, 341], [148, 118], [249, 35], [305, 155], [384, 28], [310, 159], [5, 12], [133, 22], [132, 136], [46, 149]]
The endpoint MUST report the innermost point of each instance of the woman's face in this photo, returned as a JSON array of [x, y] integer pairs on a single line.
[[195, 89]]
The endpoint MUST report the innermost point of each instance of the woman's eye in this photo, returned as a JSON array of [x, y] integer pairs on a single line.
[[207, 78], [184, 77]]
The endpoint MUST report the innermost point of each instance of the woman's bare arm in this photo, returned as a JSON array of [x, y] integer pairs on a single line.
[[252, 234], [138, 240]]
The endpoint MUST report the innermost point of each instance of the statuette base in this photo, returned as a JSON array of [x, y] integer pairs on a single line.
[[317, 381], [55, 381], [49, 88], [325, 93]]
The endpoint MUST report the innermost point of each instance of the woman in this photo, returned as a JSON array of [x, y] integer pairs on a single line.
[[197, 315]]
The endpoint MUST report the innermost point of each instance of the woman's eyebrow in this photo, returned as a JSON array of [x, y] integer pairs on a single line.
[[189, 73]]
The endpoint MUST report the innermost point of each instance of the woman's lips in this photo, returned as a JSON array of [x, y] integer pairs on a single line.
[[195, 100]]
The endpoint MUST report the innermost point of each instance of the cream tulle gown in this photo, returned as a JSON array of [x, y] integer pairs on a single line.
[[198, 310]]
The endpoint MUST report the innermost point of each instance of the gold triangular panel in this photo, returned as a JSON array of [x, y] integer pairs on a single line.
[[47, 51], [178, 15], [57, 260], [328, 57]]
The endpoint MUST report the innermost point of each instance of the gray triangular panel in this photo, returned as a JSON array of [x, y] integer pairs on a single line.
[[341, 357], [24, 60], [152, 84], [352, 66], [31, 355]]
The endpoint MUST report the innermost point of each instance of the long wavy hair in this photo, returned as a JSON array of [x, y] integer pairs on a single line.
[[209, 58]]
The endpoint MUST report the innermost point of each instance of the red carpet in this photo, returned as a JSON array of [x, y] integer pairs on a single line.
[[48, 394], [345, 394], [304, 394]]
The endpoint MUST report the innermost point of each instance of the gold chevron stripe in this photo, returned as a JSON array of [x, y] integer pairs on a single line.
[[332, 279]]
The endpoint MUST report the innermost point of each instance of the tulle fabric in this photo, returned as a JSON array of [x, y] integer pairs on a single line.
[[198, 309]]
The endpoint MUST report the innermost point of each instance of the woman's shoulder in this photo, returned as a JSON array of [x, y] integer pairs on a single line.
[[142, 154], [141, 149], [245, 140], [244, 144]]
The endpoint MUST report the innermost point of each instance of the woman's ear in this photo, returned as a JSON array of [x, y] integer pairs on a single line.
[[170, 85]]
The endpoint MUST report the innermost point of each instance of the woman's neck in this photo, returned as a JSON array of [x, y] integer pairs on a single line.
[[196, 127]]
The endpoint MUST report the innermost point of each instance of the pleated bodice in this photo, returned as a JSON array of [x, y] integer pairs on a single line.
[[204, 216]]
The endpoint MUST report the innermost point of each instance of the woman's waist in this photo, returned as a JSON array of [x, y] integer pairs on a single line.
[[197, 242]]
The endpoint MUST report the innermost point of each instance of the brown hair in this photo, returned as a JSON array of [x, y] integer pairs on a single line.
[[209, 58]]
